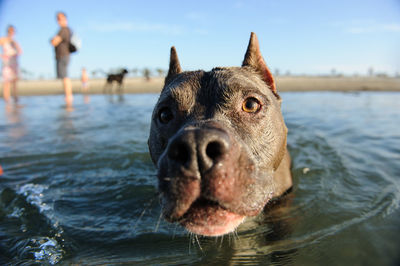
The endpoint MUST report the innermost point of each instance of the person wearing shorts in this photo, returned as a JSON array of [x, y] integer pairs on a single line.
[[61, 44], [62, 67]]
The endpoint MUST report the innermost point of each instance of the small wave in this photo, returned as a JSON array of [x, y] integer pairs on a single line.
[[389, 199], [44, 250], [383, 207], [30, 208], [34, 195]]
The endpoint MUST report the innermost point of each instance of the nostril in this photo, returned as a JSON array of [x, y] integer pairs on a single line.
[[179, 152], [214, 150]]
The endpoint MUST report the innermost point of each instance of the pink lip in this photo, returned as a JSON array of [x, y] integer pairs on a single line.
[[211, 220]]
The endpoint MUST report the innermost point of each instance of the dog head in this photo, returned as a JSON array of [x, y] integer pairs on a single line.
[[216, 138]]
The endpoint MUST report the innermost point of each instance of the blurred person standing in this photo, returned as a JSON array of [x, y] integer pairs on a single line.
[[61, 43], [85, 85], [11, 51], [85, 81]]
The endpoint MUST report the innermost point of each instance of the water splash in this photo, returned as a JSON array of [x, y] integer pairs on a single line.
[[34, 195], [46, 249]]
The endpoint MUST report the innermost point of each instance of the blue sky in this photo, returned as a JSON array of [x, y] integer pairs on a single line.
[[303, 37]]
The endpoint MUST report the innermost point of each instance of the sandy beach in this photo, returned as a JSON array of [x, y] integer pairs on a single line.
[[284, 83]]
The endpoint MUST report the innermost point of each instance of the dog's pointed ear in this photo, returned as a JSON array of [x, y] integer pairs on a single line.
[[174, 66], [254, 59]]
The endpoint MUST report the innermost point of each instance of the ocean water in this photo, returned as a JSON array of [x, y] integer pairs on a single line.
[[79, 187]]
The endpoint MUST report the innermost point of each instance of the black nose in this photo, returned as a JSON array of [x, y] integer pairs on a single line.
[[198, 149]]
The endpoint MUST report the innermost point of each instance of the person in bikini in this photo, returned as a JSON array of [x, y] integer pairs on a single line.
[[11, 52]]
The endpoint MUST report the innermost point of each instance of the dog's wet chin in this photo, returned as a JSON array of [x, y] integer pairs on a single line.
[[210, 220]]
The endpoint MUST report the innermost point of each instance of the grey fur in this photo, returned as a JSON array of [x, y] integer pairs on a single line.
[[210, 136]]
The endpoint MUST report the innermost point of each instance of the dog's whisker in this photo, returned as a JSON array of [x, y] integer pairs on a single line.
[[235, 234], [174, 231], [147, 206], [190, 241], [222, 241], [198, 242], [158, 222], [230, 239]]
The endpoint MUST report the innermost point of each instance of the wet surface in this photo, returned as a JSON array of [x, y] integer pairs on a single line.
[[79, 187]]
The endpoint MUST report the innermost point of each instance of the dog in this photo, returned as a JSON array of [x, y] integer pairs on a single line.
[[218, 139], [118, 78]]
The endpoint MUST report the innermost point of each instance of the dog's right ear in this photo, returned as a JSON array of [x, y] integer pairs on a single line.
[[174, 66]]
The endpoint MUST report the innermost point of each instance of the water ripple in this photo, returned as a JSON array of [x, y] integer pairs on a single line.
[[80, 188]]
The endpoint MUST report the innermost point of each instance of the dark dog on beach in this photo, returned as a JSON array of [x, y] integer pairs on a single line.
[[117, 78], [218, 139]]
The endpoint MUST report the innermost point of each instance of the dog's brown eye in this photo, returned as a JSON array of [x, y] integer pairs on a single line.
[[251, 105], [165, 115]]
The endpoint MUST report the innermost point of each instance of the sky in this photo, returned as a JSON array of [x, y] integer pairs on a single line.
[[302, 37]]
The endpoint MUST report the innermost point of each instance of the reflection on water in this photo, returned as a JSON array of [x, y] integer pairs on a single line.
[[79, 187], [13, 117], [86, 98], [115, 98], [66, 130]]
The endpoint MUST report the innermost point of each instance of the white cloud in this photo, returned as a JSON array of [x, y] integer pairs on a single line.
[[132, 26], [394, 27], [196, 16], [367, 26]]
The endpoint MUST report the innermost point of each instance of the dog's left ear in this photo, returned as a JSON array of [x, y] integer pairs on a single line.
[[174, 66], [254, 59]]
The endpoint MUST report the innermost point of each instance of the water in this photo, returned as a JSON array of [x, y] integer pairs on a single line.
[[79, 187]]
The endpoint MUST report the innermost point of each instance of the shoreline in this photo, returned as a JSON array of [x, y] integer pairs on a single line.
[[284, 84]]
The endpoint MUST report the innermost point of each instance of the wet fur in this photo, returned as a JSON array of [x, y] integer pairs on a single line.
[[203, 193]]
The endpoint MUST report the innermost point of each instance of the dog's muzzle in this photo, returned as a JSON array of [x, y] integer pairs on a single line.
[[207, 180]]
